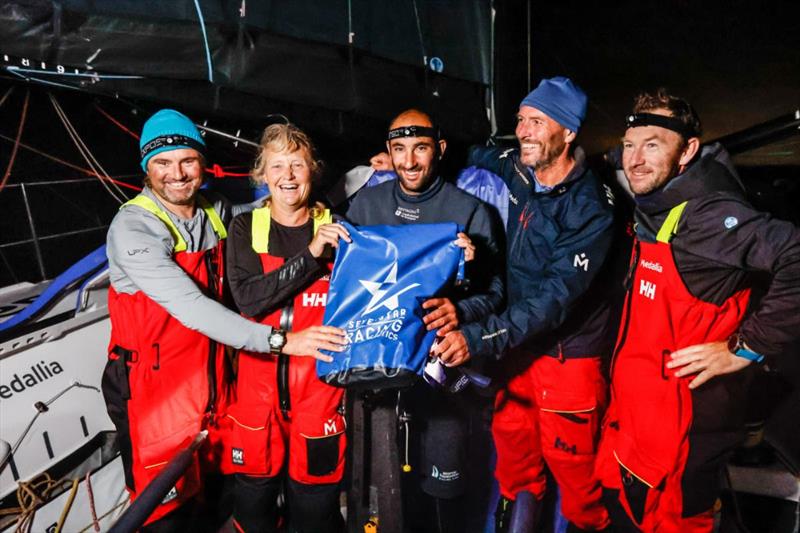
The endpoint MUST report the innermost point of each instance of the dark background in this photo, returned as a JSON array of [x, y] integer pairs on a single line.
[[738, 62]]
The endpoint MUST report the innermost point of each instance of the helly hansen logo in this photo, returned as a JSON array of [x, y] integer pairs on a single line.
[[237, 456], [564, 447], [315, 299], [647, 288], [581, 261], [649, 265]]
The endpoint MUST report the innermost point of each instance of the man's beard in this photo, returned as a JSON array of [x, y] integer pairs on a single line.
[[548, 158]]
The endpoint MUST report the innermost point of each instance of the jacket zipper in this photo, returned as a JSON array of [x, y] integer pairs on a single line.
[[523, 225], [628, 299], [211, 272]]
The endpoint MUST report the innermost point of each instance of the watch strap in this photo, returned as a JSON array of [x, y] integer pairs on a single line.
[[749, 354]]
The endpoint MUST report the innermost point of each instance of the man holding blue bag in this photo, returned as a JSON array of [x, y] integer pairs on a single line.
[[420, 197]]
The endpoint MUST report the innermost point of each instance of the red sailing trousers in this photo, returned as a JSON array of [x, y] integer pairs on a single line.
[[550, 413]]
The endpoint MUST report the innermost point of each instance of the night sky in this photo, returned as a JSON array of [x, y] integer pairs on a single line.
[[737, 62]]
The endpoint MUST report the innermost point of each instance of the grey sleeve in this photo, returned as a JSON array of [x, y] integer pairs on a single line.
[[239, 209], [140, 258]]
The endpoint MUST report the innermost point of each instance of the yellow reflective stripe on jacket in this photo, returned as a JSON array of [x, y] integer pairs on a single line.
[[148, 204], [261, 223], [213, 217], [670, 226]]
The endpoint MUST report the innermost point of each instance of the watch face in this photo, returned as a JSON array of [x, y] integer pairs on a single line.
[[277, 339]]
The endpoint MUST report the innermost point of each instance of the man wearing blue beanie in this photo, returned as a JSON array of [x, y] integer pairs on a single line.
[[165, 377], [555, 328]]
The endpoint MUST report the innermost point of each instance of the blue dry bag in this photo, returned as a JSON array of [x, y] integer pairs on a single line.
[[378, 284]]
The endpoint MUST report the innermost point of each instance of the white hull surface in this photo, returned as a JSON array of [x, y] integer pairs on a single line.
[[52, 414]]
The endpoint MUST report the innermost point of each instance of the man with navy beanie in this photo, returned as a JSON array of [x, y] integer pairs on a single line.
[[554, 332], [165, 377]]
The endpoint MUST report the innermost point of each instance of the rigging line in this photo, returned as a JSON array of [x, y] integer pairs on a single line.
[[5, 96], [116, 122], [205, 41], [22, 118], [72, 134], [67, 164], [90, 494], [85, 152], [76, 137], [229, 136], [218, 172], [350, 34], [106, 187], [419, 32]]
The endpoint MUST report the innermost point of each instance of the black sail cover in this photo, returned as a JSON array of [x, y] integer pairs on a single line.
[[346, 64]]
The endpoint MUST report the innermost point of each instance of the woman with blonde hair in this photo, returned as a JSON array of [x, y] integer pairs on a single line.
[[285, 422]]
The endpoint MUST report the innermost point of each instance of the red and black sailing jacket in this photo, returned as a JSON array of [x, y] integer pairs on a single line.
[[655, 408], [281, 405], [306, 309]]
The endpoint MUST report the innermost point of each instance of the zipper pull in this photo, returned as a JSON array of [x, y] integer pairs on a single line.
[[628, 283]]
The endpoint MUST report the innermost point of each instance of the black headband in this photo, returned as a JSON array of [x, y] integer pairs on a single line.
[[413, 131], [171, 140], [650, 119]]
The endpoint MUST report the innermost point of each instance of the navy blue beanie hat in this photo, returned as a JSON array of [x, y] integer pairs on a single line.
[[560, 99], [168, 130]]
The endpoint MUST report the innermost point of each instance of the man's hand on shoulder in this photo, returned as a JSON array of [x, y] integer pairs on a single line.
[[381, 161], [707, 361]]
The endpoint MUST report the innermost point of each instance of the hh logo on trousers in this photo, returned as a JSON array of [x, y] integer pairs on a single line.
[[648, 289], [237, 456]]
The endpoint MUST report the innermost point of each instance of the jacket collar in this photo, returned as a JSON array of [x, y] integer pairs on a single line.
[[577, 171], [432, 189], [712, 172]]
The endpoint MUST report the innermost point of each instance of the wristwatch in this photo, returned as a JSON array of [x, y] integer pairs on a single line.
[[276, 340], [736, 346]]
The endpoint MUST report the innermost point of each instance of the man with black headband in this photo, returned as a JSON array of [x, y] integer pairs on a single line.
[[690, 337], [164, 381], [421, 196]]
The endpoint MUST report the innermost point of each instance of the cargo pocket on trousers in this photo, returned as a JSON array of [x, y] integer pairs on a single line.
[[319, 456], [635, 493], [569, 421], [247, 435]]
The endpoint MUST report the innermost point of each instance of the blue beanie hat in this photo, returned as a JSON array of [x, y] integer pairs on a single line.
[[168, 130], [560, 99]]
